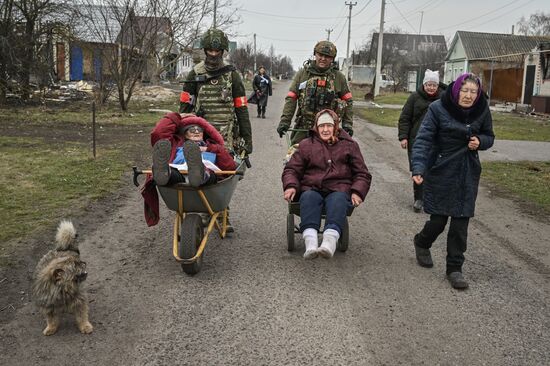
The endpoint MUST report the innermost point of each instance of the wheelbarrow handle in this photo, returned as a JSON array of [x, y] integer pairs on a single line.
[[137, 172]]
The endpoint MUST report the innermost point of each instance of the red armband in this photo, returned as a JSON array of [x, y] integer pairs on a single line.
[[292, 95], [185, 97], [240, 102], [346, 96]]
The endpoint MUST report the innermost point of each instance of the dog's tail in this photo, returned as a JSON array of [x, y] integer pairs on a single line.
[[65, 237]]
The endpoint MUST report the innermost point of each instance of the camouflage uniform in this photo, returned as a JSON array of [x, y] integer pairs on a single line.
[[219, 97], [312, 90]]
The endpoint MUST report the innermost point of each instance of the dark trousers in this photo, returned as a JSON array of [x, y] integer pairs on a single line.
[[456, 238], [418, 191], [261, 110], [336, 206]]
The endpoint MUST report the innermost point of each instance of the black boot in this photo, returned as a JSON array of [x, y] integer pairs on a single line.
[[161, 160], [423, 256], [457, 280], [195, 167], [263, 112], [259, 112]]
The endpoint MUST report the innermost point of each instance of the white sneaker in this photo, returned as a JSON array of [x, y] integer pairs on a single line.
[[328, 246]]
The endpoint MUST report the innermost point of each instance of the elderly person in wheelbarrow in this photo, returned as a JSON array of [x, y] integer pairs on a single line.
[[177, 139], [327, 171]]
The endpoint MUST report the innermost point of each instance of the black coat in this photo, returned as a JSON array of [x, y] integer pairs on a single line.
[[262, 87], [413, 112], [440, 154]]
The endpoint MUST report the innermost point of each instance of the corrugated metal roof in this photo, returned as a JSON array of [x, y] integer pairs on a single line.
[[411, 42], [489, 46]]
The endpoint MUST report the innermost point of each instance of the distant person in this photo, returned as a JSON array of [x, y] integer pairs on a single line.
[[262, 87], [327, 171], [411, 116], [318, 85], [445, 158]]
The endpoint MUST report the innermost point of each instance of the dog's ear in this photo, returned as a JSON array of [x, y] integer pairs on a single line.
[[58, 274]]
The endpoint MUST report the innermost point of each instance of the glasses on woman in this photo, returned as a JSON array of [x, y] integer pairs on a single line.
[[195, 129]]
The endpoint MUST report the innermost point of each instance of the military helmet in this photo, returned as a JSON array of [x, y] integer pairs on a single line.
[[326, 48], [215, 39]]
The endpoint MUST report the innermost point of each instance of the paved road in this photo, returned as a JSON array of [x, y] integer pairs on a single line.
[[254, 303], [505, 150]]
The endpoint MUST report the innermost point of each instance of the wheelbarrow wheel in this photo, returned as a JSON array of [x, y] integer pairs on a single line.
[[191, 235], [290, 232], [343, 242]]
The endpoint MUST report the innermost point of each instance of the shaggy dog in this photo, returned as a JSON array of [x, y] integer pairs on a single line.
[[57, 282]]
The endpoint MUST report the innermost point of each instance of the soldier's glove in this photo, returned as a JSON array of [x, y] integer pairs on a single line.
[[281, 130], [348, 129], [247, 146]]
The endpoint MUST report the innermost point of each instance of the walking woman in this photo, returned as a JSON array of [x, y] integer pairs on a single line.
[[412, 115], [445, 158], [262, 88]]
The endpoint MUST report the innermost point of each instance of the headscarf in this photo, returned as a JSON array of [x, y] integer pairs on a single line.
[[455, 91], [336, 120]]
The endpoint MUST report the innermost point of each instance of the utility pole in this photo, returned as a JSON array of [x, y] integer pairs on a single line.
[[254, 52], [215, 9], [328, 33], [379, 52], [421, 18], [351, 5]]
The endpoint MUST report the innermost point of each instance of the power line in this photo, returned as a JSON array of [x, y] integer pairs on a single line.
[[363, 8], [282, 16], [405, 19]]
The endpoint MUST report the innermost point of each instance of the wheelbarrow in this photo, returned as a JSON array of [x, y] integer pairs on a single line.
[[191, 205]]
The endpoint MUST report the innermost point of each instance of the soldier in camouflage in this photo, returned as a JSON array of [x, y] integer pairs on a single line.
[[215, 91], [318, 85]]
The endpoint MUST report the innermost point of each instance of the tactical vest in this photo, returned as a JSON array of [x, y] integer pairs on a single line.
[[215, 102], [318, 94]]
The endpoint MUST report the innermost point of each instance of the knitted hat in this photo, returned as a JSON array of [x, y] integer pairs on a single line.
[[328, 116], [431, 76], [324, 119]]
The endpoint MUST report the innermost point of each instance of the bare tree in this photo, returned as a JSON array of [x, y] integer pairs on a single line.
[[243, 58], [144, 38], [538, 24], [8, 57], [24, 25], [184, 30]]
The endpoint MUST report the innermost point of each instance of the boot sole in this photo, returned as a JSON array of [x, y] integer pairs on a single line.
[[161, 160], [195, 168]]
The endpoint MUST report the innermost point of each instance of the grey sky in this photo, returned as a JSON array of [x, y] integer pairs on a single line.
[[293, 27]]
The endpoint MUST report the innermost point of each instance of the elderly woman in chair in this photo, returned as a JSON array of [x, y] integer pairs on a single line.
[[327, 171]]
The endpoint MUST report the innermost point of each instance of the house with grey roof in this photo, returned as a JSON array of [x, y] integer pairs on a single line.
[[498, 59], [405, 57], [537, 78]]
